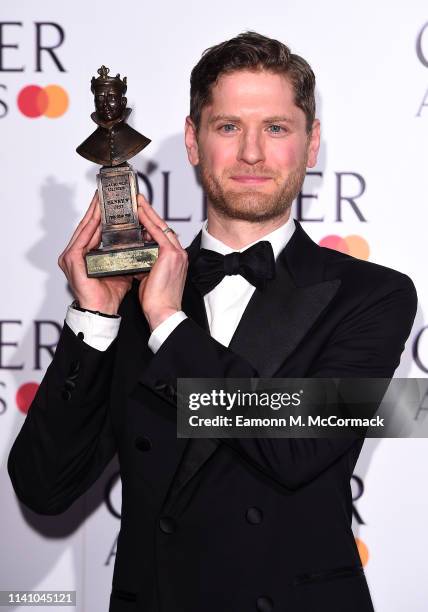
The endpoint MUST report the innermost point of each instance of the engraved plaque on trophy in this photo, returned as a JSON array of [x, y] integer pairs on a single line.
[[122, 249]]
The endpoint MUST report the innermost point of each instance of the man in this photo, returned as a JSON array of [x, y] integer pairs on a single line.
[[238, 524]]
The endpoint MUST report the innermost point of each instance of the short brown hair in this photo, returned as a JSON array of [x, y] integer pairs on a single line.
[[251, 51]]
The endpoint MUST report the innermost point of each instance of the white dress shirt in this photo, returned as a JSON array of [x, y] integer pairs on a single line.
[[225, 304]]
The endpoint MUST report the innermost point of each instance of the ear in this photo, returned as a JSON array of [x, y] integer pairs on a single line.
[[191, 140], [124, 102], [314, 144]]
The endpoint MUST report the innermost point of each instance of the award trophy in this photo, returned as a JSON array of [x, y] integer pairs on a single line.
[[122, 249]]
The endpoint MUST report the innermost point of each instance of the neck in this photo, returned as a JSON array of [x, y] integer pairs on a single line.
[[236, 233]]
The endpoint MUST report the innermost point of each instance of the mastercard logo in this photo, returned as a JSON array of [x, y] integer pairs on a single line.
[[353, 245], [50, 101], [363, 551], [25, 395]]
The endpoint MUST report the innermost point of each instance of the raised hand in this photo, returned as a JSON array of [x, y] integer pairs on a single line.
[[161, 290], [100, 294]]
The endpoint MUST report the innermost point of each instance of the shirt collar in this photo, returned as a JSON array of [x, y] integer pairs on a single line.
[[278, 239]]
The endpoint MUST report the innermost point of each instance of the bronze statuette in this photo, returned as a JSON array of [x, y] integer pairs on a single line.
[[122, 249]]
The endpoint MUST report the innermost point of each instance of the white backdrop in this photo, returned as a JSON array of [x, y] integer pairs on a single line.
[[371, 62]]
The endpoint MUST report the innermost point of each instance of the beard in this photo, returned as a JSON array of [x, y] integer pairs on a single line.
[[252, 205]]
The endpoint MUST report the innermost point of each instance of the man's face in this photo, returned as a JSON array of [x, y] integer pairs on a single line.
[[252, 147], [109, 103]]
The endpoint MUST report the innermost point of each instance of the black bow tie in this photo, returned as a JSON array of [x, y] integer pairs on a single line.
[[256, 264]]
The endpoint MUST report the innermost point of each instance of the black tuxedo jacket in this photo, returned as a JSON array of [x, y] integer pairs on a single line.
[[235, 525]]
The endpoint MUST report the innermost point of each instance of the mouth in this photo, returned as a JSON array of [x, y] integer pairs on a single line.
[[246, 179]]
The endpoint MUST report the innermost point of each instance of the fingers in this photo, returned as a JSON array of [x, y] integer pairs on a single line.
[[94, 241], [150, 210], [155, 224], [162, 238], [155, 231], [147, 237], [92, 207], [86, 233], [172, 237]]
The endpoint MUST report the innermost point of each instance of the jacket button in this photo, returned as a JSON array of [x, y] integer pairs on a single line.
[[143, 443], [66, 395], [167, 524], [264, 604], [69, 384], [81, 335], [254, 515], [74, 367]]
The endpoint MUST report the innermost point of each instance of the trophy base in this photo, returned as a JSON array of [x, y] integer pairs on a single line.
[[124, 260]]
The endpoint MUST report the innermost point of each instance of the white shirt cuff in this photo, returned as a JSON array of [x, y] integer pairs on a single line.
[[162, 331], [99, 332]]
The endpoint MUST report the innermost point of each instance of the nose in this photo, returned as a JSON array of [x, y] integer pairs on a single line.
[[251, 148]]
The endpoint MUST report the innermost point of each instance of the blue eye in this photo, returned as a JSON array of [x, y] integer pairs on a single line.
[[276, 129], [228, 127]]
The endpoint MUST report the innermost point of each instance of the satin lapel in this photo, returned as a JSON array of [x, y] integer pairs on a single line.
[[193, 303], [195, 455], [277, 319]]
